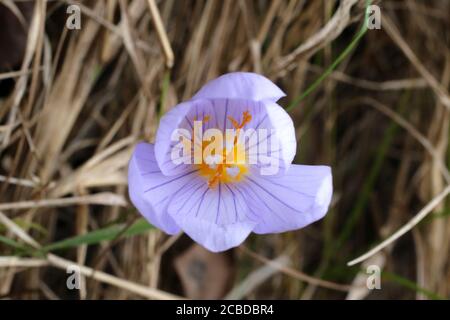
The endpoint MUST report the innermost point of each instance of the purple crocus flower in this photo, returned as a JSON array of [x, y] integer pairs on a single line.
[[216, 203]]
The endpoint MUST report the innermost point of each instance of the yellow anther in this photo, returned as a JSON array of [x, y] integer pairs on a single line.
[[215, 179], [205, 118], [246, 118], [229, 169], [233, 122]]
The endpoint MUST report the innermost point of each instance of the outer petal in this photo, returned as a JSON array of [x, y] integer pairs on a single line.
[[284, 130], [216, 218], [290, 202], [240, 85], [150, 190], [163, 142]]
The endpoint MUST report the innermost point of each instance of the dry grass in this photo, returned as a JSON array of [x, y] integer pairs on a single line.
[[74, 103]]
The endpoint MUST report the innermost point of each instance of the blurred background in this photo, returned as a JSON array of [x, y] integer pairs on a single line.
[[372, 103]]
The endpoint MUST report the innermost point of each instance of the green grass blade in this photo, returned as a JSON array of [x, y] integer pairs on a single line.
[[106, 234], [404, 282], [335, 63], [371, 180], [12, 243]]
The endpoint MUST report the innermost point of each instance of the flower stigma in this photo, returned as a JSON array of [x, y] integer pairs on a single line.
[[226, 166]]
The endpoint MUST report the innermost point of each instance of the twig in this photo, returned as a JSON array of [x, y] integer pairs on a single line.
[[411, 224], [103, 198], [412, 131], [438, 89], [150, 293], [18, 181], [162, 34], [16, 262], [297, 274], [256, 278]]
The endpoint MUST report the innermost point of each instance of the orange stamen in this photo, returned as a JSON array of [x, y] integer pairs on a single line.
[[216, 178], [219, 173], [246, 118]]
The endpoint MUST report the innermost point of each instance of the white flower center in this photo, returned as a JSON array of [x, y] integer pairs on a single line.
[[233, 171]]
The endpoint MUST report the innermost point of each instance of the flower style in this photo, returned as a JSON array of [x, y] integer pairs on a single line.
[[218, 202]]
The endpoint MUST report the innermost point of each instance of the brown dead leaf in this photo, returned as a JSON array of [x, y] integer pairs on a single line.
[[203, 274]]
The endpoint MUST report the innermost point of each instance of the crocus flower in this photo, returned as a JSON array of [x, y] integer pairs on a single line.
[[217, 203]]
